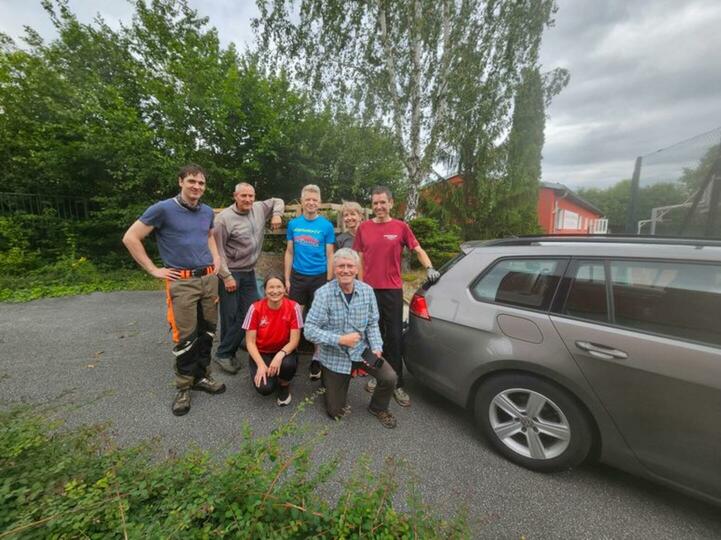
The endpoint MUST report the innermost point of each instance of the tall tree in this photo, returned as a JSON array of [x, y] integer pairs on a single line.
[[525, 144], [419, 66]]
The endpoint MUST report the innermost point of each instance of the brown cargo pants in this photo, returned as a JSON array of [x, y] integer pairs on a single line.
[[193, 317]]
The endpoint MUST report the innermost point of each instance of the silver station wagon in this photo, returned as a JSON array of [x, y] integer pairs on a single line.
[[566, 348]]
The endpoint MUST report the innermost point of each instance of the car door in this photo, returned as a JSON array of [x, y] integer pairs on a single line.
[[647, 336]]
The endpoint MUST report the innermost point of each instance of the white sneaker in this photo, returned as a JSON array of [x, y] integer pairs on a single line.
[[284, 397]]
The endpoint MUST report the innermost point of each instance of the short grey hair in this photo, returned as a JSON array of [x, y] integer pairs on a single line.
[[242, 185], [346, 253], [312, 188]]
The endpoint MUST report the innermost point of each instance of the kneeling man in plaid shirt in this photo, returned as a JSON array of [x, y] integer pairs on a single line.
[[343, 321]]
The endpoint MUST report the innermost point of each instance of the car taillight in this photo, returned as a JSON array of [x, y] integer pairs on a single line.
[[419, 308]]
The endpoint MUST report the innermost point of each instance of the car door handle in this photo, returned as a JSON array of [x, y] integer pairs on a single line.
[[599, 351]]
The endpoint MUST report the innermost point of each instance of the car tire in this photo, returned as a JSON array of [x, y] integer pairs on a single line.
[[533, 422]]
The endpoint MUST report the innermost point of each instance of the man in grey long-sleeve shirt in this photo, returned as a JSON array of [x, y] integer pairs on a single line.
[[239, 231]]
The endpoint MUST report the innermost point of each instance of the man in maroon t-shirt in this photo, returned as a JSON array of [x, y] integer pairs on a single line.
[[380, 242]]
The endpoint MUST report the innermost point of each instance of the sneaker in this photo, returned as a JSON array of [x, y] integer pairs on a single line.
[[284, 396], [371, 385], [314, 370], [227, 364], [403, 399], [208, 384], [386, 419], [181, 403]]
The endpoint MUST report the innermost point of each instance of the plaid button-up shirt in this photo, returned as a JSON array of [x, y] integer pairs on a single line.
[[331, 316]]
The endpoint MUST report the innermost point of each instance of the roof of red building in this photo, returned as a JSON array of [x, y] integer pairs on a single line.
[[571, 196]]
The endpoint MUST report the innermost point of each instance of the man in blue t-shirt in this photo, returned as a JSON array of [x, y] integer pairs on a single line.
[[309, 256], [183, 231]]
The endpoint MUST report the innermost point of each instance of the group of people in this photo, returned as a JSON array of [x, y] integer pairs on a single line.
[[349, 287]]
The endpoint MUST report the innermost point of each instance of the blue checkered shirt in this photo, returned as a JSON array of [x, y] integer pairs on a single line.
[[331, 316]]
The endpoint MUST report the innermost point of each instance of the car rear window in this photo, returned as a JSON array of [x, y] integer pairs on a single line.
[[528, 283]]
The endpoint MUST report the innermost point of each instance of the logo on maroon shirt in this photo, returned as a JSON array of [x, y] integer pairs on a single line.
[[390, 236]]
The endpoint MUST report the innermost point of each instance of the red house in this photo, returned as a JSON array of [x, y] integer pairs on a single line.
[[560, 210]]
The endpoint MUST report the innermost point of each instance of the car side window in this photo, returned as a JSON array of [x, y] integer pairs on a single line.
[[675, 299], [528, 283], [587, 292]]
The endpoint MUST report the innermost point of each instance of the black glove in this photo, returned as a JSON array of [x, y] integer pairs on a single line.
[[432, 274]]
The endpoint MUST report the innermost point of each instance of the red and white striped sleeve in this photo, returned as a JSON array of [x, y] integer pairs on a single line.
[[298, 323], [251, 319]]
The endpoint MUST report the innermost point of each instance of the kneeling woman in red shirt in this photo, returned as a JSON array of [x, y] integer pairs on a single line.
[[272, 332]]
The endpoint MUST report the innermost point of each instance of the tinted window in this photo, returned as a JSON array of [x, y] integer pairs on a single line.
[[587, 293], [676, 299], [520, 282]]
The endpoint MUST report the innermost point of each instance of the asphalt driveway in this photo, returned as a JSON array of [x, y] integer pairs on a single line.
[[115, 347]]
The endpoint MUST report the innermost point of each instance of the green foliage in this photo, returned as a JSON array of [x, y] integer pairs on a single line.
[[69, 275], [499, 196], [74, 483], [614, 201], [441, 243], [109, 115], [40, 256], [429, 70]]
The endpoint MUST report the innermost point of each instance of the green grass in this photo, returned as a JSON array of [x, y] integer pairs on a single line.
[[70, 277]]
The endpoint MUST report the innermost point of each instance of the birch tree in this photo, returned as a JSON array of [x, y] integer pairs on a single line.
[[417, 66]]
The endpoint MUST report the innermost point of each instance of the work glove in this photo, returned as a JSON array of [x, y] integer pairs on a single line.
[[433, 275]]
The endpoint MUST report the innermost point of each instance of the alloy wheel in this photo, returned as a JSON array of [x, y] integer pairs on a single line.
[[529, 423]]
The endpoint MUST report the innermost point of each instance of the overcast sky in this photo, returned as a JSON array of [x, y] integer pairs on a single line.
[[645, 74]]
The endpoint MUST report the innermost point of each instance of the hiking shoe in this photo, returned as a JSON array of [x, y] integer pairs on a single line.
[[403, 399], [208, 384], [371, 385], [227, 364], [386, 419], [284, 396], [181, 403], [314, 370]]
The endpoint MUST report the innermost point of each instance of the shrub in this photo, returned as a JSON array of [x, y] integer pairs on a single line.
[[77, 484], [440, 242]]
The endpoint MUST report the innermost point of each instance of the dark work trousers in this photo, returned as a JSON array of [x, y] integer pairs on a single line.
[[233, 308], [287, 372], [336, 389], [390, 307]]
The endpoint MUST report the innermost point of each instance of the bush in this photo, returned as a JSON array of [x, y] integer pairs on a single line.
[[441, 243], [77, 484], [68, 276]]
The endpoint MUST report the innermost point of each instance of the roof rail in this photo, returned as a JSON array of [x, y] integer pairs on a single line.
[[596, 238]]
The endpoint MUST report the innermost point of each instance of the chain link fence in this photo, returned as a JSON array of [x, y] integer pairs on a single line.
[[675, 191]]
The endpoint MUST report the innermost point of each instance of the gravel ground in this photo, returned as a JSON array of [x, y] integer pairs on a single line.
[[115, 347]]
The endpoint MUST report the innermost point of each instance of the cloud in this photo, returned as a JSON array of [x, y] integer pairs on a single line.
[[644, 75]]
